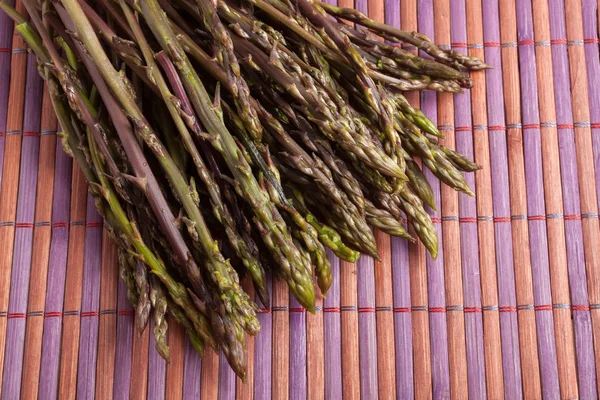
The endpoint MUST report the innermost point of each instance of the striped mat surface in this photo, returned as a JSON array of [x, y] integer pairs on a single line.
[[510, 309]]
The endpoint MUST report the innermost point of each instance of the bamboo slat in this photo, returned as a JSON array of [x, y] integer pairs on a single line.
[[11, 157], [535, 14], [509, 309]]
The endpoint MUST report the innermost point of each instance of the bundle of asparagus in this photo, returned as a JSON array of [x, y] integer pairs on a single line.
[[224, 137]]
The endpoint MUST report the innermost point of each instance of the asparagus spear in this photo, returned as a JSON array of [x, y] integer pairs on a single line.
[[159, 302], [220, 209], [221, 272], [142, 310], [421, 41], [100, 185], [268, 221]]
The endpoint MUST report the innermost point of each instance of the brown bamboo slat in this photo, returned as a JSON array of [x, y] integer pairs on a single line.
[[107, 329], [518, 202], [483, 186], [10, 177], [71, 322], [418, 267], [563, 328], [174, 380], [451, 231], [40, 252], [585, 163]]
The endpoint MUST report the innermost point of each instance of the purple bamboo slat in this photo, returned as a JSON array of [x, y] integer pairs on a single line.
[[332, 334], [367, 328], [226, 379], [535, 203], [191, 372], [468, 229], [298, 379], [500, 194], [435, 268], [367, 322], [124, 344], [57, 265], [592, 55], [262, 352], [332, 328], [401, 282], [568, 163], [402, 319], [157, 370], [6, 30], [21, 265], [90, 303]]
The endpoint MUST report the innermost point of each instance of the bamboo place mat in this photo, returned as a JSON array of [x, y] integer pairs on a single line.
[[510, 309]]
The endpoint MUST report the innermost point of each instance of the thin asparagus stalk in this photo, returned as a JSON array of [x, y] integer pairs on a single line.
[[382, 219], [159, 303], [275, 233], [221, 272], [308, 235], [419, 183], [142, 311], [196, 341], [126, 275], [72, 147], [459, 161], [335, 129], [421, 41], [144, 176], [419, 219], [228, 60], [220, 209]]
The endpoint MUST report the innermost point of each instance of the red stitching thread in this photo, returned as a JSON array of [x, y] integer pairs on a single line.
[[31, 134], [298, 309], [531, 126], [545, 307], [558, 41], [331, 309], [5, 50], [89, 314], [125, 313], [60, 224], [501, 219], [497, 128], [366, 309], [580, 308], [436, 220], [536, 217], [24, 225], [510, 309], [565, 126], [572, 217], [525, 42], [459, 45], [463, 129], [472, 309], [591, 41], [93, 224], [469, 220], [437, 309], [595, 125], [16, 315], [491, 44], [402, 309], [53, 314]]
